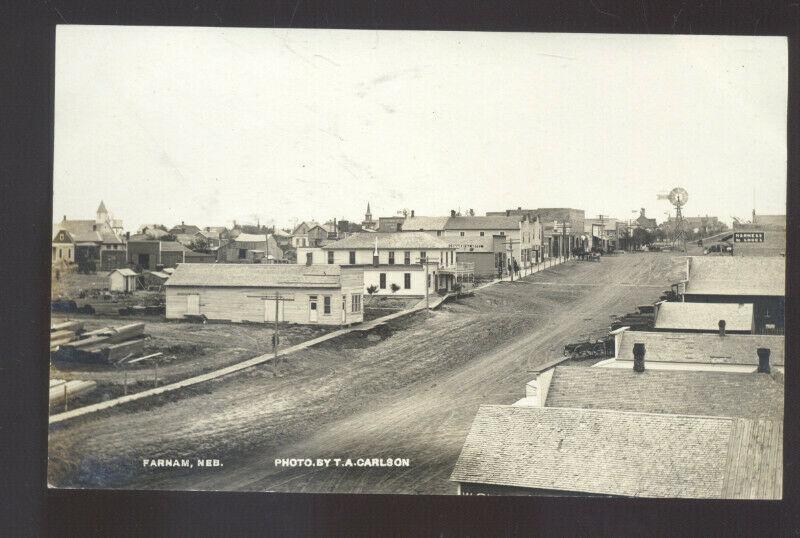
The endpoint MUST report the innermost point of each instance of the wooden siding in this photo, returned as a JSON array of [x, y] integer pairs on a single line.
[[245, 304]]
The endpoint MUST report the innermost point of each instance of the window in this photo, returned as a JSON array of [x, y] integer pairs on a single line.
[[60, 253], [422, 256], [356, 303], [326, 305], [309, 258], [330, 256], [407, 281], [382, 281], [407, 257], [352, 257], [391, 257], [461, 234], [502, 233], [481, 234], [242, 253]]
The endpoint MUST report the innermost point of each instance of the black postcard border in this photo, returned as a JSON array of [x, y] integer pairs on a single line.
[[26, 159]]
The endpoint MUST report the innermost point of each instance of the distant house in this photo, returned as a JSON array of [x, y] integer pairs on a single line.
[[645, 222], [391, 258], [695, 351], [184, 229], [704, 317], [122, 280], [318, 295], [563, 227], [89, 243], [616, 432], [308, 234], [250, 248], [759, 280]]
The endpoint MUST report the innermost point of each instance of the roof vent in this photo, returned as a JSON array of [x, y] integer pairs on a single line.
[[638, 357], [763, 360], [722, 327]]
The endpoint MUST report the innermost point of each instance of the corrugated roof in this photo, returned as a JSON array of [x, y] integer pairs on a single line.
[[737, 275], [704, 316], [413, 224], [388, 240], [599, 452], [679, 392], [257, 275], [707, 348]]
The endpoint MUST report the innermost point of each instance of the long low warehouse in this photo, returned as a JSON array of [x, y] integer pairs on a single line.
[[305, 294]]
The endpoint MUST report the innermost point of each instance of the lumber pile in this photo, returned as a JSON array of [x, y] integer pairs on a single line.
[[640, 321], [63, 333], [60, 388], [107, 345]]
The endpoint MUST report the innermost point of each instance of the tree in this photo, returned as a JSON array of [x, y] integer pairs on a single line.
[[200, 245], [168, 237], [394, 287], [372, 290]]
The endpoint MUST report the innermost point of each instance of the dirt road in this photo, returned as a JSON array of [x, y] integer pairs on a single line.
[[413, 394]]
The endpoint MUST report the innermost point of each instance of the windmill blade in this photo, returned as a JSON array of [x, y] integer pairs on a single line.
[[662, 197]]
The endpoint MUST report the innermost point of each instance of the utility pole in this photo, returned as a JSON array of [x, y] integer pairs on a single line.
[[510, 249], [424, 261], [278, 298]]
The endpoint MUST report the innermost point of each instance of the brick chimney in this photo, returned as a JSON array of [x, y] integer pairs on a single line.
[[638, 357], [722, 327], [763, 360], [412, 212], [452, 212]]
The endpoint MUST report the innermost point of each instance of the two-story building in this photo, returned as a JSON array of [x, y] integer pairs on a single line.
[[400, 263]]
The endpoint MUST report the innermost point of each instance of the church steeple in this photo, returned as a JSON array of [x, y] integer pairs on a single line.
[[368, 214], [102, 214]]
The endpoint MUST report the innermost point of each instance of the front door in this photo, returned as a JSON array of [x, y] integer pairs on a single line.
[[144, 261], [193, 305], [312, 309]]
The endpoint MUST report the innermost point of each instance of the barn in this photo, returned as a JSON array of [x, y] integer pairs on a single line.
[[305, 294]]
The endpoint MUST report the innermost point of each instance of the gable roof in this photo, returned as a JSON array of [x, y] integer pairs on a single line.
[[388, 240], [251, 238], [704, 316], [737, 275], [709, 348], [307, 223], [679, 392], [413, 224], [620, 453], [256, 275]]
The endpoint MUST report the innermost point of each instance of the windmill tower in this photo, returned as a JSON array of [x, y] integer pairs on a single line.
[[677, 197]]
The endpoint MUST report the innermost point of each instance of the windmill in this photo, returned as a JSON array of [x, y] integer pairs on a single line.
[[677, 197]]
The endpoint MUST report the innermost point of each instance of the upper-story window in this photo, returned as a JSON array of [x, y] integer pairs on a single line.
[[330, 256], [352, 257], [391, 257], [407, 257]]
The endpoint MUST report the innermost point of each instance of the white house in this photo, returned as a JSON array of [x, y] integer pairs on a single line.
[[401, 259]]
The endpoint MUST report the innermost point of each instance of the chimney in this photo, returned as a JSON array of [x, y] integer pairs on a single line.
[[722, 327], [412, 212], [763, 360], [519, 208], [65, 217], [183, 223], [452, 212], [127, 235], [638, 357]]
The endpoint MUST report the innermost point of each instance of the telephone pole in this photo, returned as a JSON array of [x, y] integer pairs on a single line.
[[278, 298], [510, 248], [424, 261]]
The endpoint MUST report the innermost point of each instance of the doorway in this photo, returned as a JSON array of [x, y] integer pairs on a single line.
[[312, 309], [193, 305]]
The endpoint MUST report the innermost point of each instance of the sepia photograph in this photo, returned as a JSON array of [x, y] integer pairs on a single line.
[[418, 262]]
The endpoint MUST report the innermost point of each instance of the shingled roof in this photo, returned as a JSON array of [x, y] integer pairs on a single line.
[[704, 316], [388, 240], [706, 348], [256, 275], [413, 224], [622, 453], [737, 275], [728, 394]]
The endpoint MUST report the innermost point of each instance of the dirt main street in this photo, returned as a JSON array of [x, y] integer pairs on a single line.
[[410, 394]]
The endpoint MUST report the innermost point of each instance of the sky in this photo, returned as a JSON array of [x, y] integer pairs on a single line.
[[211, 125]]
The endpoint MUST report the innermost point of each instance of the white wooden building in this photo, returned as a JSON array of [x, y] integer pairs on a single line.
[[391, 258], [316, 294], [122, 280]]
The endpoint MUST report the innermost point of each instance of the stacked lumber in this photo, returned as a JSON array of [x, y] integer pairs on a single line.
[[59, 388], [63, 333], [637, 322], [106, 345]]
